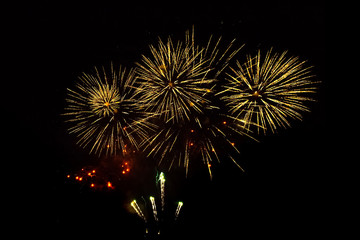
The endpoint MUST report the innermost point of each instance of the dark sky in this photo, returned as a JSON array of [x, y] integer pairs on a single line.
[[53, 44]]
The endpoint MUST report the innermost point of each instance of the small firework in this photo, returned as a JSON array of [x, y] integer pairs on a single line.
[[156, 225], [267, 92], [177, 212], [153, 206], [162, 189], [103, 113], [138, 210]]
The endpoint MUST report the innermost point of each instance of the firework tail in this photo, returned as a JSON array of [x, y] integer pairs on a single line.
[[138, 210]]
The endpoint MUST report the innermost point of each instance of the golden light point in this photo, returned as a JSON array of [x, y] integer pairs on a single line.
[[256, 94], [107, 104], [171, 84]]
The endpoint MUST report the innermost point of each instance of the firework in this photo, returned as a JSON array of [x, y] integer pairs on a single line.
[[177, 85], [103, 112], [162, 189], [138, 210], [177, 212], [153, 206], [178, 77], [267, 92], [154, 227]]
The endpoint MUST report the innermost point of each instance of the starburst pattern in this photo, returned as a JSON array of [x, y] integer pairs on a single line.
[[177, 78], [103, 112], [177, 85], [267, 92]]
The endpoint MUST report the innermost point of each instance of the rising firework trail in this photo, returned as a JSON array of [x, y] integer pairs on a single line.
[[153, 206], [180, 204], [138, 210], [155, 226], [266, 92], [162, 189]]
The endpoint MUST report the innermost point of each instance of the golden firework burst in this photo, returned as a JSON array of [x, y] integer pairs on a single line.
[[103, 113], [267, 92], [177, 85], [177, 78]]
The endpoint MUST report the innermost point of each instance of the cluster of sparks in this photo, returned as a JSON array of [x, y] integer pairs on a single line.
[[107, 173], [183, 100], [100, 177], [157, 217]]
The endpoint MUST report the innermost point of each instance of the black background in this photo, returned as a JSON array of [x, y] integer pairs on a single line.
[[279, 194]]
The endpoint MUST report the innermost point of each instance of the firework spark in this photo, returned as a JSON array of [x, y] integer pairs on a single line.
[[177, 84], [103, 112], [266, 92]]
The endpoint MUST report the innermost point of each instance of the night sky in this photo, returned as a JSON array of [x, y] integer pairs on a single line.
[[277, 196]]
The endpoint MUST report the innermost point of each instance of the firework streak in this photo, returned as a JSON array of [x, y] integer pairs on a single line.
[[138, 210]]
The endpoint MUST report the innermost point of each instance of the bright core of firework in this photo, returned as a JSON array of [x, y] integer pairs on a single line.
[[266, 92]]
